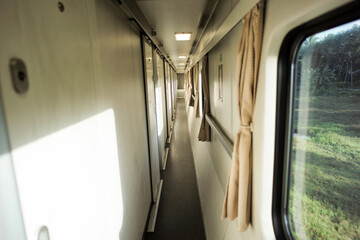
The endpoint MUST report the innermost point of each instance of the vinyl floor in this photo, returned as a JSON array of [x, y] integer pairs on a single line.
[[179, 216]]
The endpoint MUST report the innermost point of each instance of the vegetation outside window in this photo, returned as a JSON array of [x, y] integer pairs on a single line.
[[324, 148]]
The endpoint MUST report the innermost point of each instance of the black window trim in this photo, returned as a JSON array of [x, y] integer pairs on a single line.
[[289, 48]]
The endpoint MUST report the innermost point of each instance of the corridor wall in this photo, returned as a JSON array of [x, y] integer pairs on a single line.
[[81, 164], [212, 162]]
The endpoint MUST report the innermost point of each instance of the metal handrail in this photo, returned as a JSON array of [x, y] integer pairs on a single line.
[[223, 138]]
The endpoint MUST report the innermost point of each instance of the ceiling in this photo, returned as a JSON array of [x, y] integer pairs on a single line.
[[169, 16]]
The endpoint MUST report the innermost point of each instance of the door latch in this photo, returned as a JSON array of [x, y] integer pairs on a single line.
[[19, 76]]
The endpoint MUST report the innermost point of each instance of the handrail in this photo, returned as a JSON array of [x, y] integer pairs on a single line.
[[224, 139]]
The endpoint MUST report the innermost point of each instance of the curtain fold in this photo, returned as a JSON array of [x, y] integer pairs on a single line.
[[185, 86], [186, 83], [188, 90], [196, 88], [191, 87], [205, 133], [238, 189]]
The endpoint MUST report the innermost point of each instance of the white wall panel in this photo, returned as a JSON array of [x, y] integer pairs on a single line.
[[78, 136], [120, 86], [161, 96], [155, 160], [169, 97]]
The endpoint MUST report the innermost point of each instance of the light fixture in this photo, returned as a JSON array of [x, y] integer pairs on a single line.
[[182, 36], [181, 64], [182, 57]]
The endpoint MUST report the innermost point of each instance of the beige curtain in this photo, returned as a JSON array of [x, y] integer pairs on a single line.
[[196, 88], [205, 133], [187, 86], [238, 189], [191, 100]]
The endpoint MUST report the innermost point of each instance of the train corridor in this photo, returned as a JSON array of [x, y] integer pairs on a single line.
[[179, 215]]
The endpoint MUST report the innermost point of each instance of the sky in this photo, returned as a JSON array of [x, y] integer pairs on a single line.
[[338, 29]]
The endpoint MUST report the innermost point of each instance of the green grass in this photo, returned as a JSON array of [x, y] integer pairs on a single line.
[[324, 198]]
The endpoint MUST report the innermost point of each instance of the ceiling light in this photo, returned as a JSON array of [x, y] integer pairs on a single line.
[[182, 36], [181, 64], [182, 57]]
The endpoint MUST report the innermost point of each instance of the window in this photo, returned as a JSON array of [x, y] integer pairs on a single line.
[[320, 146]]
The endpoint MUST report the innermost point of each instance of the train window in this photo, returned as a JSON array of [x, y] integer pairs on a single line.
[[323, 192]]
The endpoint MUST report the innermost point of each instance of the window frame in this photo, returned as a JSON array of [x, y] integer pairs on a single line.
[[284, 107]]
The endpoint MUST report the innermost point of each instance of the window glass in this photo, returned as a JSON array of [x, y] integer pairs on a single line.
[[324, 188]]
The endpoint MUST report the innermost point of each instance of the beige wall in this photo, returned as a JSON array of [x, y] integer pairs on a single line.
[[180, 81], [210, 158], [78, 136], [180, 93]]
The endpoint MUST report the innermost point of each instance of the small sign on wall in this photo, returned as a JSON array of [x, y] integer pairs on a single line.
[[220, 82]]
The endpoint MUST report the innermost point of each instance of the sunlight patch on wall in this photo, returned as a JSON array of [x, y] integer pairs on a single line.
[[69, 181]]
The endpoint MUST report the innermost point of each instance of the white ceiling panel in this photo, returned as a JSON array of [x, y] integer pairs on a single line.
[[169, 16]]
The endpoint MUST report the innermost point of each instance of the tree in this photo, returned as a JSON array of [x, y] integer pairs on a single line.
[[330, 60]]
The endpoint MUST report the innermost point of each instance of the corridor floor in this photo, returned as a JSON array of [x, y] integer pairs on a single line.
[[179, 216]]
